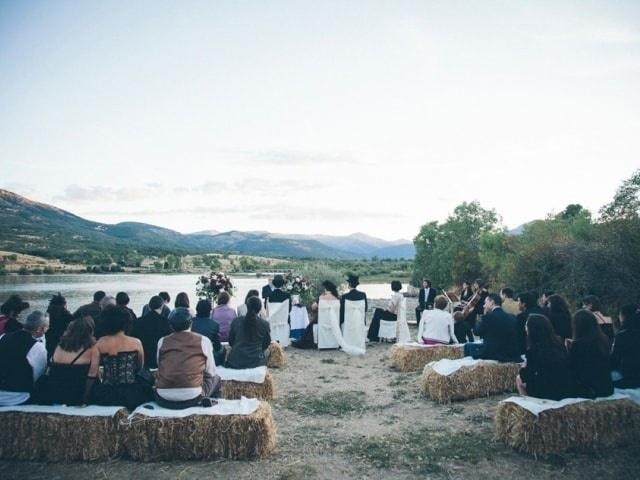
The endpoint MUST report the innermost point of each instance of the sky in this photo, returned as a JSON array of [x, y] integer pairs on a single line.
[[311, 117]]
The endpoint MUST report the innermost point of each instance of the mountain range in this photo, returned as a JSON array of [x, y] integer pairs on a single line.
[[40, 229]]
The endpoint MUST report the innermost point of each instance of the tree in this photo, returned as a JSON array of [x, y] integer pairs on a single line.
[[626, 201]]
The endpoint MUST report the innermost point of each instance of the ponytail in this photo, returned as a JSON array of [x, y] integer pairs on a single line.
[[254, 305]]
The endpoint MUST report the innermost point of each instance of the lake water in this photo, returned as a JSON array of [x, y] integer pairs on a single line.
[[78, 289]]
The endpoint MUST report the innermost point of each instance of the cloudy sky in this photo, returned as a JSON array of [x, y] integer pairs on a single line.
[[317, 116]]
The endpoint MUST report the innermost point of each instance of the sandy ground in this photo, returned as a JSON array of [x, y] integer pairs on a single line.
[[346, 417]]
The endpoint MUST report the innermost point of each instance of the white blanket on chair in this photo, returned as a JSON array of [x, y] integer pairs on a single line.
[[244, 406], [279, 322], [403, 327], [88, 411], [253, 375], [353, 328], [330, 323], [539, 405]]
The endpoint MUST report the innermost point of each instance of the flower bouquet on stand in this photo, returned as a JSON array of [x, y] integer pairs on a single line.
[[209, 286], [299, 288]]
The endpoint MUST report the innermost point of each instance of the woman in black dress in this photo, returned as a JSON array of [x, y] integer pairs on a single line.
[[560, 316], [59, 320]]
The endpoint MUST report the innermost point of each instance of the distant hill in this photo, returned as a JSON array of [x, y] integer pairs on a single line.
[[38, 229]]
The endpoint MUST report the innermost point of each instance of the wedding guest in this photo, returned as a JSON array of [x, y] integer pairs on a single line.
[[166, 310], [278, 295], [461, 328], [59, 320], [92, 309], [249, 338], [426, 298], [150, 328], [308, 340], [122, 300], [10, 312], [528, 303], [353, 295], [107, 301], [509, 305], [206, 326], [589, 357], [242, 309], [625, 352], [389, 314], [23, 359], [544, 299], [559, 315], [74, 367], [466, 293], [436, 326], [547, 372], [223, 315], [266, 291], [592, 303]]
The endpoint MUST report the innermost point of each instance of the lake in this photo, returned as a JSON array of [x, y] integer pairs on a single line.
[[78, 288]]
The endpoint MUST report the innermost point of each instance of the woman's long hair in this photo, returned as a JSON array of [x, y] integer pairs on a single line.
[[182, 300], [254, 305], [331, 288], [541, 335], [251, 293], [586, 330], [78, 335]]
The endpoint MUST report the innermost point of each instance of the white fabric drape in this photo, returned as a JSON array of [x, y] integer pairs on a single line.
[[329, 334], [353, 328], [403, 327], [279, 322]]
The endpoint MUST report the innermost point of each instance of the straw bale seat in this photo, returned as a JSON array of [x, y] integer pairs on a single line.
[[412, 357]]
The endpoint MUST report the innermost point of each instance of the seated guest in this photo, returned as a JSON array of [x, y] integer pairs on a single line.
[[10, 311], [389, 314], [122, 357], [223, 315], [436, 326], [543, 303], [308, 338], [461, 328], [59, 320], [182, 301], [92, 309], [625, 353], [498, 332], [250, 337], [589, 357], [205, 326], [150, 328], [242, 309], [528, 303], [74, 367], [353, 294], [186, 367], [592, 303], [122, 300], [509, 305], [559, 315], [278, 295], [166, 310], [107, 301], [547, 373], [23, 359]]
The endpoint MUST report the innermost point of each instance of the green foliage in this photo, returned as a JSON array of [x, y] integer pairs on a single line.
[[316, 273], [626, 202]]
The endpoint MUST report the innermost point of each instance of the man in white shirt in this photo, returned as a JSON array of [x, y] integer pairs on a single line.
[[436, 326], [23, 359]]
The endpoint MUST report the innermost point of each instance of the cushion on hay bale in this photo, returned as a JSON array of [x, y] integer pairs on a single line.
[[573, 424], [235, 429], [60, 434], [249, 382], [466, 378], [411, 357], [277, 358]]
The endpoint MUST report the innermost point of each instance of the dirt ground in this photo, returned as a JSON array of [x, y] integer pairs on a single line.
[[348, 417]]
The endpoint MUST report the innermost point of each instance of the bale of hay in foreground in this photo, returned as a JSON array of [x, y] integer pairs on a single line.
[[412, 358], [202, 436], [55, 437], [581, 427], [233, 390], [480, 380], [277, 357]]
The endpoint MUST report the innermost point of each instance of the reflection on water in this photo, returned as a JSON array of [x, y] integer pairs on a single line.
[[78, 289]]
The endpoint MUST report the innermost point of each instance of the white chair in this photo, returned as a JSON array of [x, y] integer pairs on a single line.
[[387, 331], [328, 316], [278, 314], [353, 327]]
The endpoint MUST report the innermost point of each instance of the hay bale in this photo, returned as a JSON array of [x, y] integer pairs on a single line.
[[412, 358], [199, 437], [233, 390], [481, 380], [277, 357], [55, 437], [581, 427]]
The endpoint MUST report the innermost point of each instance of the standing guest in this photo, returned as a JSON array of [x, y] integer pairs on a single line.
[[461, 328], [10, 311], [23, 359], [498, 330], [186, 367], [149, 329], [122, 357], [592, 303], [589, 357], [266, 291], [426, 298], [436, 326], [389, 314], [547, 373], [122, 300], [242, 309], [353, 295], [528, 303], [466, 293], [59, 320], [223, 315], [559, 315], [206, 326], [92, 309], [625, 353], [74, 367], [166, 310], [509, 305], [249, 338]]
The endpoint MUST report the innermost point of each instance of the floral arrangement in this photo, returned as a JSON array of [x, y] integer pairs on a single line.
[[209, 286], [298, 285]]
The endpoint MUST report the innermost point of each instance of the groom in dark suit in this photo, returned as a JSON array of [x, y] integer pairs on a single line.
[[425, 298], [353, 294]]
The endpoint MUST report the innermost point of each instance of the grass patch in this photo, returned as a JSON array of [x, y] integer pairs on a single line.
[[422, 450], [336, 404], [297, 472], [402, 379]]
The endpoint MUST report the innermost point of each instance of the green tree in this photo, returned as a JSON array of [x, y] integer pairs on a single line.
[[626, 201]]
